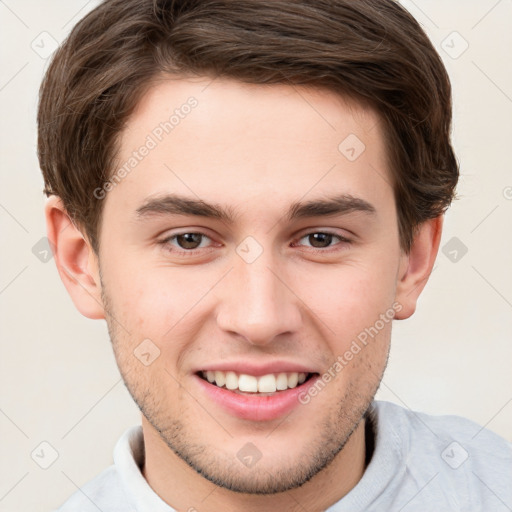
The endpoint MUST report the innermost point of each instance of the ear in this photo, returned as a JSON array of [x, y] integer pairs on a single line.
[[76, 261], [416, 267]]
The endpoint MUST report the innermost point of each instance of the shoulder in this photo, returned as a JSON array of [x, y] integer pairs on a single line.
[[104, 492], [454, 455], [439, 429]]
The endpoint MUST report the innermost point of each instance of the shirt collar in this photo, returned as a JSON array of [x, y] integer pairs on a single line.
[[383, 467]]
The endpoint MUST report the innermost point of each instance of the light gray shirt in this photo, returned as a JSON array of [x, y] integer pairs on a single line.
[[420, 463]]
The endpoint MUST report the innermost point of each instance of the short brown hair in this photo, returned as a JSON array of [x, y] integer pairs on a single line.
[[371, 50]]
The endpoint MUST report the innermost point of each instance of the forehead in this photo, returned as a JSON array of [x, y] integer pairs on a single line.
[[284, 111], [225, 140]]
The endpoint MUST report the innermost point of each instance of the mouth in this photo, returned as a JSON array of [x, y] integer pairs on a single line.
[[263, 397], [243, 383]]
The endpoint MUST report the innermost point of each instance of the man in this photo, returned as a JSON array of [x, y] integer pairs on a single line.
[[249, 193]]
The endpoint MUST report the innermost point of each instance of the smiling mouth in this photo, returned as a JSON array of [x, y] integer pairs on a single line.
[[249, 384]]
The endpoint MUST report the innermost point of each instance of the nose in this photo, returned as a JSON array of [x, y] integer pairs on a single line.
[[257, 303]]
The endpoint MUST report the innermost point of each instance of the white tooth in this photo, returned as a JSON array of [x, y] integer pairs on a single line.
[[293, 379], [267, 383], [302, 377], [282, 382], [231, 380], [247, 383], [210, 376], [220, 378]]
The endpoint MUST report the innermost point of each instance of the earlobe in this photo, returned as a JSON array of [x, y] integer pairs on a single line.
[[75, 259], [416, 267]]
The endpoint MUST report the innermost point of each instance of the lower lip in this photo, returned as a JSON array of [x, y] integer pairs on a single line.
[[255, 407]]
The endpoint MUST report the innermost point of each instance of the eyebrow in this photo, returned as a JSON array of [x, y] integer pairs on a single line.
[[174, 204]]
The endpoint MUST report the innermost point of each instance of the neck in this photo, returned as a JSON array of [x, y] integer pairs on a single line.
[[184, 489]]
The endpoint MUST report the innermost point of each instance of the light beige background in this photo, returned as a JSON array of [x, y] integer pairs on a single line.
[[59, 381]]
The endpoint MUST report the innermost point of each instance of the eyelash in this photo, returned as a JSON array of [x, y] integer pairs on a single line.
[[192, 252]]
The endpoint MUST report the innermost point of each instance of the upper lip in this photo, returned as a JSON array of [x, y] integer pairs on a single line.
[[257, 369]]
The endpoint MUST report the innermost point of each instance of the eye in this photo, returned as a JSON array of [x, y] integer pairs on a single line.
[[323, 240], [188, 243], [185, 242]]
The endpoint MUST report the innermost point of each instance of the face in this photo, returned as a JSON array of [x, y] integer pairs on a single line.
[[256, 236]]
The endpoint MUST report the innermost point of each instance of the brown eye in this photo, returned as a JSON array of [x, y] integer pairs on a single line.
[[323, 240], [189, 240], [186, 243], [320, 239]]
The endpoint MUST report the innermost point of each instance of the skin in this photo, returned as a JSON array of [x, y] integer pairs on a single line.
[[255, 149]]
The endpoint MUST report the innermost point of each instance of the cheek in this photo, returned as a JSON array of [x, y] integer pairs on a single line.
[[152, 298], [347, 298], [162, 304]]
